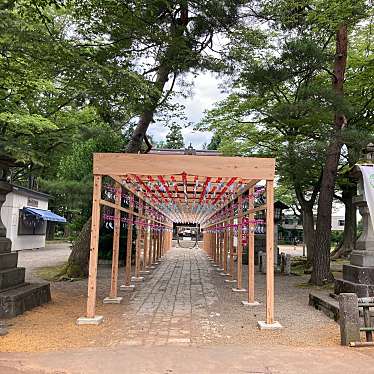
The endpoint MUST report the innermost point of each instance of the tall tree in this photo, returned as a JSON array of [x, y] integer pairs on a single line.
[[174, 138]]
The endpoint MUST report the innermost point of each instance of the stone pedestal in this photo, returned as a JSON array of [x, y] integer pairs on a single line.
[[358, 276], [16, 296]]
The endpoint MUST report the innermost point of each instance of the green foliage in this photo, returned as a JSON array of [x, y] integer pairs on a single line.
[[174, 138]]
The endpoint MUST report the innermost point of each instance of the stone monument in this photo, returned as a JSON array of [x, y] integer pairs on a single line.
[[16, 296], [358, 276]]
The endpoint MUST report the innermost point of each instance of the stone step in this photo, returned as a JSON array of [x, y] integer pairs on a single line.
[[17, 300], [5, 245], [11, 277], [8, 260]]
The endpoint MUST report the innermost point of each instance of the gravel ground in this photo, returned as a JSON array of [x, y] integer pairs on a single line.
[[222, 320]]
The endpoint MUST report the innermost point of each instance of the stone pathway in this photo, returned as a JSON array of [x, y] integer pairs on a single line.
[[176, 297]]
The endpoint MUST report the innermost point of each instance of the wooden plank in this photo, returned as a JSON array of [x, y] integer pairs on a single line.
[[132, 212], [94, 247], [129, 244], [153, 164], [116, 235], [270, 252], [251, 250]]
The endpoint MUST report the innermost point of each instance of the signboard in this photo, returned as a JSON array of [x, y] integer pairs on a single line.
[[32, 202]]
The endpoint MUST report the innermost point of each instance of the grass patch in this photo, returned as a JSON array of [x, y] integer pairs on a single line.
[[327, 286], [51, 273]]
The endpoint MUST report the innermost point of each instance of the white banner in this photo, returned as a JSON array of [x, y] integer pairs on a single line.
[[368, 176]]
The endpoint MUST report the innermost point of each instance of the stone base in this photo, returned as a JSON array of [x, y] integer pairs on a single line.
[[246, 303], [238, 290], [362, 290], [219, 269], [151, 267], [362, 258], [130, 287], [137, 279], [215, 265], [90, 321], [145, 272], [262, 325], [18, 300], [113, 300], [230, 280], [224, 274]]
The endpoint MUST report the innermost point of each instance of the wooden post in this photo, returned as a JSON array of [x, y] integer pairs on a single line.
[[269, 252], [146, 246], [231, 248], [251, 252], [94, 251], [225, 248], [129, 243], [240, 245], [115, 254], [139, 232]]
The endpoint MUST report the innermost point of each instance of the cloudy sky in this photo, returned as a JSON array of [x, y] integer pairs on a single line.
[[205, 93]]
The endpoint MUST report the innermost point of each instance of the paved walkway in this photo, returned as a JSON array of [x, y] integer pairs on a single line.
[[178, 294]]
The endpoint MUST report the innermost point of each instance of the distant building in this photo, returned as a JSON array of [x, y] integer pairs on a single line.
[[291, 227], [25, 215]]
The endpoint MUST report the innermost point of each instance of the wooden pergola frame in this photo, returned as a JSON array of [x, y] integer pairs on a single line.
[[118, 166]]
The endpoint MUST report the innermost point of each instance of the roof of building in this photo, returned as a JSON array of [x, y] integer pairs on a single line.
[[28, 192], [197, 152]]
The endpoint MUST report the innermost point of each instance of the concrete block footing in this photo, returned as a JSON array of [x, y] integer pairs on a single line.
[[239, 290], [215, 265], [230, 280], [152, 267], [113, 300], [219, 269], [246, 303], [262, 325], [131, 287], [224, 274], [145, 271], [90, 321], [137, 279]]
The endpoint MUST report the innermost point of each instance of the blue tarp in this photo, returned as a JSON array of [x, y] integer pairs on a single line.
[[46, 215]]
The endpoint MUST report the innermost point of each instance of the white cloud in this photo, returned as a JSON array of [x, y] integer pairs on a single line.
[[204, 94]]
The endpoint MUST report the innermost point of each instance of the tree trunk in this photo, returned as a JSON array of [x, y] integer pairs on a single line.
[[146, 117], [77, 266], [322, 246], [308, 229], [350, 224]]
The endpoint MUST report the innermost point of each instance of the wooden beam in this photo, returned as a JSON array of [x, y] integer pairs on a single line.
[[132, 212], [153, 164], [94, 248]]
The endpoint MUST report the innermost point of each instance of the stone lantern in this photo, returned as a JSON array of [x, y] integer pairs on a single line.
[[358, 276], [16, 295]]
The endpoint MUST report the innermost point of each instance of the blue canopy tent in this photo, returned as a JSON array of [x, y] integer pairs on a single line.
[[45, 215]]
